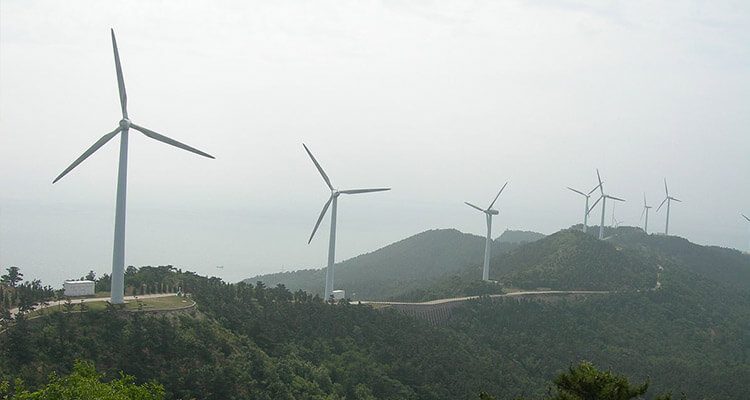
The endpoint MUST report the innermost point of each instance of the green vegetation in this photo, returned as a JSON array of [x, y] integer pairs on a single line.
[[415, 263], [520, 237], [584, 382], [572, 260], [727, 266], [255, 341], [85, 383]]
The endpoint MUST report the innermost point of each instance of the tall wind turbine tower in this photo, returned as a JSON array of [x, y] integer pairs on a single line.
[[586, 209], [748, 220], [489, 212], [646, 207], [118, 257], [603, 199], [332, 202], [668, 199]]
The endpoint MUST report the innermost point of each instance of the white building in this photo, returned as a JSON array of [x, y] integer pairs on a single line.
[[338, 294], [78, 288]]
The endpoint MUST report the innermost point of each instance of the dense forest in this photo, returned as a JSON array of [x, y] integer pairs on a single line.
[[690, 333]]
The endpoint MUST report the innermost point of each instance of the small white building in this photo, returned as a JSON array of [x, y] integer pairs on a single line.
[[338, 294], [78, 288]]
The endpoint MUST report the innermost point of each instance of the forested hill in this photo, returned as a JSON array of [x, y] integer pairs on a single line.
[[511, 236], [728, 266], [251, 341], [417, 262], [573, 260]]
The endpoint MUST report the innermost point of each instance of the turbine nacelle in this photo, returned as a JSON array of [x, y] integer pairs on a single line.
[[492, 212], [334, 192]]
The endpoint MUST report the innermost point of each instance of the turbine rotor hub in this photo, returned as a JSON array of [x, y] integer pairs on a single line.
[[493, 212], [124, 123]]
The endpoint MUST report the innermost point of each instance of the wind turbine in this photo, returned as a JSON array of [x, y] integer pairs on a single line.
[[668, 199], [645, 212], [332, 201], [603, 199], [748, 220], [586, 210], [118, 257], [489, 212]]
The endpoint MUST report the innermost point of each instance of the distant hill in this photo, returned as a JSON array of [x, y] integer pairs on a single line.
[[728, 266], [416, 262], [572, 260], [510, 236]]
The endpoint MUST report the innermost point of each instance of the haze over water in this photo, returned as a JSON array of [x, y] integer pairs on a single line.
[[441, 101]]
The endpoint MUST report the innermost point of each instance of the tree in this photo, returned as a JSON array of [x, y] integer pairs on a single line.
[[13, 276], [91, 276], [584, 382], [85, 383]]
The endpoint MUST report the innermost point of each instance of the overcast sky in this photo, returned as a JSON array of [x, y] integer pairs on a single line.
[[443, 101]]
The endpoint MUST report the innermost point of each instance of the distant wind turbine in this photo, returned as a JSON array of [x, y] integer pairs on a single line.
[[603, 199], [586, 209], [489, 212], [748, 220], [118, 258], [646, 207], [668, 199], [332, 201]]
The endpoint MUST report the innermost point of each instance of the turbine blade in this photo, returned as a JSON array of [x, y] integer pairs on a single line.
[[676, 199], [748, 219], [579, 192], [666, 190], [595, 203], [662, 203], [473, 206], [615, 198], [320, 218], [357, 191], [644, 200], [120, 79], [164, 139], [595, 187], [99, 143], [320, 169], [642, 214], [498, 195]]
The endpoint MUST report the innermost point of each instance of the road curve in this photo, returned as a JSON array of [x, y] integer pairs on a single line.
[[512, 294]]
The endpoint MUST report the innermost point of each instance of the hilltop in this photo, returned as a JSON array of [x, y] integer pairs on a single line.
[[414, 263], [573, 260], [720, 264]]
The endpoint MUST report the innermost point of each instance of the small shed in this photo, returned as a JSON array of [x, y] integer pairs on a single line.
[[338, 294], [78, 288]]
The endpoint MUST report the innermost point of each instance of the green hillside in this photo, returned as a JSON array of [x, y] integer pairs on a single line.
[[414, 263], [511, 236], [572, 260], [248, 341], [728, 266]]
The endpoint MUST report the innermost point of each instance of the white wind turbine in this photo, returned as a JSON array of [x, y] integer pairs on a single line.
[[118, 257], [489, 212], [748, 220], [668, 199], [332, 203], [603, 199], [586, 209], [646, 207]]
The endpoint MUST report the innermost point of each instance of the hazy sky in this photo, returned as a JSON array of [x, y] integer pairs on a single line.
[[443, 101]]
